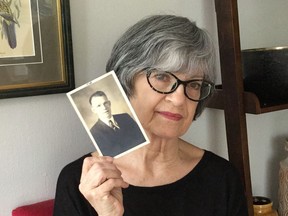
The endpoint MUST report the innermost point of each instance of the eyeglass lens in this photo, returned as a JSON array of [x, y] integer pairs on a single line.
[[166, 82]]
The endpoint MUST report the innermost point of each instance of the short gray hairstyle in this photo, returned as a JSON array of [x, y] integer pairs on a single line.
[[164, 42]]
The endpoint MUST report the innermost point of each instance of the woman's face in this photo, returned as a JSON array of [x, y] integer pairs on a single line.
[[163, 115]]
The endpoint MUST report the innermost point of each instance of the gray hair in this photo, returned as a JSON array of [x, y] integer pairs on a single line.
[[164, 42]]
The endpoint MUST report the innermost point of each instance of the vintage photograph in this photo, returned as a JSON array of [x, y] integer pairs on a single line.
[[108, 116]]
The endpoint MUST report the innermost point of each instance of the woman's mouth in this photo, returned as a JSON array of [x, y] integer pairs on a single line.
[[171, 116]]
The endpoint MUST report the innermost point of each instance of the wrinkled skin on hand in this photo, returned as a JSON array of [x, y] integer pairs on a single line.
[[101, 184]]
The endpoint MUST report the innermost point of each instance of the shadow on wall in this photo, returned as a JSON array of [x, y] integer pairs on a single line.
[[216, 132]]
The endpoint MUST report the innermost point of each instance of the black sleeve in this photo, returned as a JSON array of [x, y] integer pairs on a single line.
[[232, 194], [237, 202], [68, 199]]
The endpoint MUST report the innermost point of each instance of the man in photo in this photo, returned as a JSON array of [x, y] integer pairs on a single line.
[[114, 134]]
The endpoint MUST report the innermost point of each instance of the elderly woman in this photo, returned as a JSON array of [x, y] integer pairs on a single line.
[[165, 65]]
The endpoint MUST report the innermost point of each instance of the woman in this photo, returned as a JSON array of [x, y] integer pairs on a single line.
[[165, 65]]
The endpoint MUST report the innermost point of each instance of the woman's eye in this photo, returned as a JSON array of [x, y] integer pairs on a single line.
[[195, 85], [162, 77]]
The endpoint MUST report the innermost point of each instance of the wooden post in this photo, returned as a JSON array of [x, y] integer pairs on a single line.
[[232, 83]]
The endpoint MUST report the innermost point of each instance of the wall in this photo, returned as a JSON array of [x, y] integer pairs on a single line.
[[40, 134], [263, 24]]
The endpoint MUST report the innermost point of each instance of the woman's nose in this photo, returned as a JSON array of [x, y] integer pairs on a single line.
[[178, 96]]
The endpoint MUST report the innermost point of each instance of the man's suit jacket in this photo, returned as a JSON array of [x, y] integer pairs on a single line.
[[113, 142]]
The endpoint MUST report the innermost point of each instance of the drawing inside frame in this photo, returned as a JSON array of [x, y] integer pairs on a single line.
[[35, 47], [16, 15]]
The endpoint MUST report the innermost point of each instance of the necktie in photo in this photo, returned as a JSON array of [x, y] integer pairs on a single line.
[[112, 125]]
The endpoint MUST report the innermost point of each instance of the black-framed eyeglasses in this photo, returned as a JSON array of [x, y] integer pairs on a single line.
[[165, 82]]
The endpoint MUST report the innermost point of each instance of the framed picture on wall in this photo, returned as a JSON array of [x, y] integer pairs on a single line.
[[36, 54]]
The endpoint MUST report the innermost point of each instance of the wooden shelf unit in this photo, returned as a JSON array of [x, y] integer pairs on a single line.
[[232, 98]]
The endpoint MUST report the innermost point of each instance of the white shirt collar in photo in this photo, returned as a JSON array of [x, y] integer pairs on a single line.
[[106, 121]]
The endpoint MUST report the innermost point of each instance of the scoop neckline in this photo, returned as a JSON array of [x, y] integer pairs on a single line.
[[180, 181]]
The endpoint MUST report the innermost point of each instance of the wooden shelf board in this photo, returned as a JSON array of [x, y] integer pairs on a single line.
[[252, 103]]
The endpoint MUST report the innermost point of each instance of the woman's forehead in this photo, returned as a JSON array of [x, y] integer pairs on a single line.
[[186, 73], [192, 69], [189, 74]]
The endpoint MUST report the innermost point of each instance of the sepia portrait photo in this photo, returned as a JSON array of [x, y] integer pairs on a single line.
[[108, 117]]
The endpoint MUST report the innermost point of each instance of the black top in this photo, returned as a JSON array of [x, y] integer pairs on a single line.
[[212, 188]]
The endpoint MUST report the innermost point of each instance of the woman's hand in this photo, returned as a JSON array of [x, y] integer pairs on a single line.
[[101, 184]]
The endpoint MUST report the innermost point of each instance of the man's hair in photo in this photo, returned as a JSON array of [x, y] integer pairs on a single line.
[[97, 94]]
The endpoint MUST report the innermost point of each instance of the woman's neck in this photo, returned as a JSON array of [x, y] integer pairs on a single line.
[[160, 162]]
